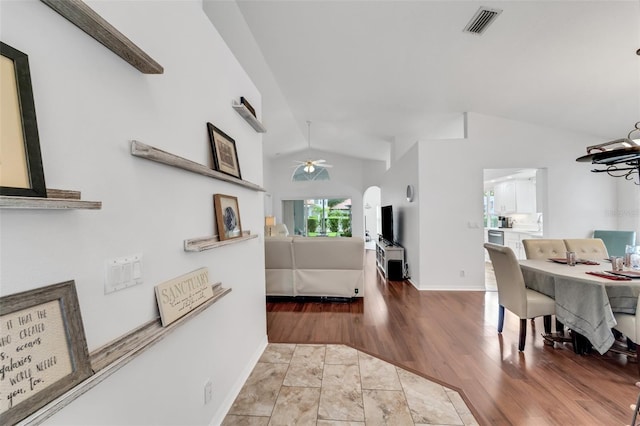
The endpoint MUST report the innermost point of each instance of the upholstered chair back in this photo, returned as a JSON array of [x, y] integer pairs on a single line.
[[539, 248], [587, 248], [511, 289], [616, 241]]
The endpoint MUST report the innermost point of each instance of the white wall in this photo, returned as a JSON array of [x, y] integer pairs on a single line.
[[450, 190], [371, 199], [438, 126], [90, 104], [627, 214], [349, 179], [406, 215]]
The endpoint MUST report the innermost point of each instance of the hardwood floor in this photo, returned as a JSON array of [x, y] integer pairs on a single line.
[[451, 337]]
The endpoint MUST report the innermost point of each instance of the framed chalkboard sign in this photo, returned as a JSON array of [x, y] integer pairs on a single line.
[[43, 350]]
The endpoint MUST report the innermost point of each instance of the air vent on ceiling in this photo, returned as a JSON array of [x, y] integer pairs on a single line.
[[481, 20]]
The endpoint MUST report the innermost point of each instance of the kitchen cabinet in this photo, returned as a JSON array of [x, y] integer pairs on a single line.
[[505, 197], [515, 196], [513, 240]]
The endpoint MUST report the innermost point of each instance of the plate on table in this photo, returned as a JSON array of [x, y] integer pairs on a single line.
[[563, 260], [628, 274]]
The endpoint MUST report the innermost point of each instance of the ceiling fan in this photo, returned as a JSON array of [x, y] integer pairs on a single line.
[[310, 166]]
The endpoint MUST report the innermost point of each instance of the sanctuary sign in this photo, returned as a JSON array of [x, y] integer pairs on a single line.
[[183, 294]]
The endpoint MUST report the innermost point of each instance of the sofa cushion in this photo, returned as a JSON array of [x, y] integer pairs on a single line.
[[278, 253], [328, 253]]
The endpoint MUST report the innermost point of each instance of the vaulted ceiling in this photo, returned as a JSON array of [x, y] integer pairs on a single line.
[[368, 73]]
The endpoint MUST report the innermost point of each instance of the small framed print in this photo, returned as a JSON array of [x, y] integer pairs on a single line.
[[21, 172], [227, 216], [225, 155]]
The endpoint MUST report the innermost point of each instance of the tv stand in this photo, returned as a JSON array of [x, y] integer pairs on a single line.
[[387, 251]]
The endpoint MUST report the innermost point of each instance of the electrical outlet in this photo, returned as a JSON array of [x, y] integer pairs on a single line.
[[208, 392]]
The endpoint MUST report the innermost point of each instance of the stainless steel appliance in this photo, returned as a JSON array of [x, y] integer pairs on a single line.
[[495, 237], [505, 222]]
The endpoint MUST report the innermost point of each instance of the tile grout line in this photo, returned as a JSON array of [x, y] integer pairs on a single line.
[[364, 412], [404, 393], [324, 361], [282, 384]]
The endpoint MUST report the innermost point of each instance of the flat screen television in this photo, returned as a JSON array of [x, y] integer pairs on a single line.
[[387, 223]]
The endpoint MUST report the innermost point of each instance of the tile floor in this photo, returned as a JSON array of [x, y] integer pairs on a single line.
[[338, 385]]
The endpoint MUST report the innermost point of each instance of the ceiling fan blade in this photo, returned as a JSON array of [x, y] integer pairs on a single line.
[[319, 161], [326, 166]]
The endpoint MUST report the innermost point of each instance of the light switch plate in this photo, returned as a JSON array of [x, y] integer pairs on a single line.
[[122, 272]]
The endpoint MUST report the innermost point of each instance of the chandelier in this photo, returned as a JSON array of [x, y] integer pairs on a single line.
[[621, 156]]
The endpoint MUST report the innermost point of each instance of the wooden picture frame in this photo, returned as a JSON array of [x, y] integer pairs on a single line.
[[225, 155], [247, 105], [43, 349], [227, 216], [21, 171]]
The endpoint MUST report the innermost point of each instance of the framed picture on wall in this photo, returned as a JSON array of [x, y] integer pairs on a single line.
[[21, 171], [225, 155], [227, 216], [44, 350]]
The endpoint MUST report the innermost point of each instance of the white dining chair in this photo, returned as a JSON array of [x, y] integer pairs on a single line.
[[587, 248], [541, 248], [514, 295], [629, 326], [545, 248]]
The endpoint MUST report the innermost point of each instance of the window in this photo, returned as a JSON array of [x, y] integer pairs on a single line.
[[318, 217]]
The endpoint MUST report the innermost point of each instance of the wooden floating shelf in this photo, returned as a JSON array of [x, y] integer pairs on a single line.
[[89, 21], [139, 149], [111, 357], [246, 114], [59, 199], [208, 243]]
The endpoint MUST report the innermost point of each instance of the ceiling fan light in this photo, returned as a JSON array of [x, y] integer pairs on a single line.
[[309, 168]]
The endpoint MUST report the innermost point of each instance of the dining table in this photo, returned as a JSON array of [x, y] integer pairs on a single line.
[[585, 303]]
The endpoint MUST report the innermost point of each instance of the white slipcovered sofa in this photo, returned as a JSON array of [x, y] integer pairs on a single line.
[[314, 266]]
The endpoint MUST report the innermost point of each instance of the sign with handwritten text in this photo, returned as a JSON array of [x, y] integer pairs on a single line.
[[43, 350], [183, 294], [33, 352]]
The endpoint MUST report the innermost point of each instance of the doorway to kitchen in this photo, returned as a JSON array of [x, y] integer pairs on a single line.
[[514, 203]]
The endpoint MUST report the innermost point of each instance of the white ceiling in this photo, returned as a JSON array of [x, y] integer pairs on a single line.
[[367, 73]]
